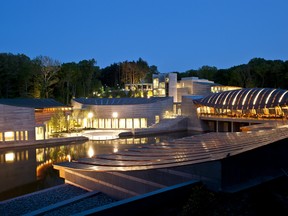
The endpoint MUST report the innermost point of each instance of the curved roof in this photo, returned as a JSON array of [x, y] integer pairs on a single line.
[[118, 101], [246, 98]]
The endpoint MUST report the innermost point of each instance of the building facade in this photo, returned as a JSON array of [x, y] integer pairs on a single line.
[[120, 113], [26, 120]]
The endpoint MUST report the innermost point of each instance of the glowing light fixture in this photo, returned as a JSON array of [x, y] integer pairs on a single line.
[[90, 115], [115, 114]]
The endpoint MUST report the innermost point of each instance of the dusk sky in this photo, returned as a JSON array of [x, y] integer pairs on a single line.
[[173, 35]]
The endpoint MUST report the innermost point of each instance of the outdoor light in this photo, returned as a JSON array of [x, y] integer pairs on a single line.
[[90, 115], [115, 114]]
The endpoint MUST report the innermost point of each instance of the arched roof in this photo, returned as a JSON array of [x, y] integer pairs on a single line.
[[246, 98]]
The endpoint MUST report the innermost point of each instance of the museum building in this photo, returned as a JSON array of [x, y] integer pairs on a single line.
[[121, 113]]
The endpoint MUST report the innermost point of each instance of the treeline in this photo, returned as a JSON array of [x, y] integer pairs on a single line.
[[44, 77], [258, 72]]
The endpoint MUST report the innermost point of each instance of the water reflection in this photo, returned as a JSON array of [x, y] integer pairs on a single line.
[[22, 166]]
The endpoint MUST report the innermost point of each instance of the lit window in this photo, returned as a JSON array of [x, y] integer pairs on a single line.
[[122, 123], [129, 123], [9, 136], [26, 135], [143, 123], [136, 123]]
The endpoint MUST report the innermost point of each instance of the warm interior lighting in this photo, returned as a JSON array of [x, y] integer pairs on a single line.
[[9, 157]]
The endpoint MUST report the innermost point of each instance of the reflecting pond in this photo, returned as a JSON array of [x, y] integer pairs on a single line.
[[25, 170]]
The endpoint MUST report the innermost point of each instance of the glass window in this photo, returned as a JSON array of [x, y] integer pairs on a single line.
[[129, 123], [107, 123], [122, 123], [162, 85], [136, 123], [17, 135], [157, 119], [26, 135], [96, 123], [101, 123], [1, 136], [9, 136], [115, 123], [156, 83], [143, 123], [39, 133]]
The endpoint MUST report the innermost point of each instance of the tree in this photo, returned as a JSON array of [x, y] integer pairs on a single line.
[[68, 77], [86, 70], [207, 72], [16, 73], [110, 76], [134, 72], [47, 74]]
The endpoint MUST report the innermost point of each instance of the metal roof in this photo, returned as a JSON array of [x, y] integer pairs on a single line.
[[246, 98], [118, 101], [195, 149], [32, 103]]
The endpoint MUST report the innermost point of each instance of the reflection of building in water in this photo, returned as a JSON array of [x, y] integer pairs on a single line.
[[18, 167], [24, 120], [120, 113]]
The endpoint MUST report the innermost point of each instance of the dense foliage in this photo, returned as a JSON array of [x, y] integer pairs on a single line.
[[44, 77]]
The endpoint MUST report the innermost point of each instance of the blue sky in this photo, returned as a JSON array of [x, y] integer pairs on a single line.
[[173, 35]]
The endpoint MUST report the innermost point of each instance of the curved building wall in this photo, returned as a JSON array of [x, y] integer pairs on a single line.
[[124, 115]]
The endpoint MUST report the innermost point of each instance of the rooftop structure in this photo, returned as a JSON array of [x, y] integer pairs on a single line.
[[247, 98]]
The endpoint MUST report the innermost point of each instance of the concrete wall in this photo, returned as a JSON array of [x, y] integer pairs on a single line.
[[189, 110], [173, 86]]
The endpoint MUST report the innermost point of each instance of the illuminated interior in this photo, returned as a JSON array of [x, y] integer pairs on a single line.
[[248, 102], [116, 123]]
